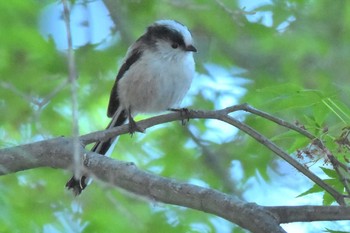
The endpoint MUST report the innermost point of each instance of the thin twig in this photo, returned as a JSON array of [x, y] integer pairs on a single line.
[[74, 89], [27, 97], [234, 13], [315, 141], [248, 108], [54, 92], [277, 150]]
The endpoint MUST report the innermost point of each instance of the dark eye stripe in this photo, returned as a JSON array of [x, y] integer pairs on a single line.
[[162, 32]]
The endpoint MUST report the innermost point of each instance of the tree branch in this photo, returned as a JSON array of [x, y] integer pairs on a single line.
[[58, 153], [288, 214], [127, 176], [223, 115]]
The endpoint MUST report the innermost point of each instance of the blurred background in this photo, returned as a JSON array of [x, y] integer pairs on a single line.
[[289, 58]]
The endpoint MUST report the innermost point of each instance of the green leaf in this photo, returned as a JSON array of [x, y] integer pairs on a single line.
[[330, 172], [335, 231], [314, 189]]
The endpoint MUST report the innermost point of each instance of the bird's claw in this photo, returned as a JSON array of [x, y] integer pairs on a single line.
[[77, 185], [184, 112], [133, 127]]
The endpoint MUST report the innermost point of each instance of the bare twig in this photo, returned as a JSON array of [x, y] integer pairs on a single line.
[[315, 141], [248, 108], [74, 89], [53, 93], [27, 97], [234, 13], [222, 115], [277, 150]]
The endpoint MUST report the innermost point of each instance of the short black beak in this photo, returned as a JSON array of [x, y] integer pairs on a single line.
[[190, 48]]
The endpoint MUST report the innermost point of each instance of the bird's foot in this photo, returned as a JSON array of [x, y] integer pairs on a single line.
[[133, 127], [184, 112], [77, 185]]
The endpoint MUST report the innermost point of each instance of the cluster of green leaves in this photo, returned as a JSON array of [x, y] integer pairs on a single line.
[[298, 69]]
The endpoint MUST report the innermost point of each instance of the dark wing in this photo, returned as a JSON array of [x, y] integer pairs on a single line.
[[113, 99]]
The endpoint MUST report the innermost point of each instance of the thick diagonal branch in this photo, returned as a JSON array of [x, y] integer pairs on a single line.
[[58, 153]]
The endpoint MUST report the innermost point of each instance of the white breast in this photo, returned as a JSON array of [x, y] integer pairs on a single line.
[[156, 82]]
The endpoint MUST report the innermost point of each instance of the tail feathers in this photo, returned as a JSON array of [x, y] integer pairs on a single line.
[[78, 184], [102, 147]]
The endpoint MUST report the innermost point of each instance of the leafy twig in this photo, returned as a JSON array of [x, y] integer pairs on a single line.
[[315, 141]]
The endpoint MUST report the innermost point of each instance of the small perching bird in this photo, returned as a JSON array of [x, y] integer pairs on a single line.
[[155, 76]]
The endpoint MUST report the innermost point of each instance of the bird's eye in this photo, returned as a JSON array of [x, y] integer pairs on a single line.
[[174, 45]]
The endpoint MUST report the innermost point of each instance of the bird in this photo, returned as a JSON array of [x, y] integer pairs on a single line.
[[155, 75]]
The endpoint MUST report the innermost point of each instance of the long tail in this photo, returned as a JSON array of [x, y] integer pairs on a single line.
[[78, 184]]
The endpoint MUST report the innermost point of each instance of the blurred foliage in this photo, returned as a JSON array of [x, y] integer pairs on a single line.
[[294, 55]]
